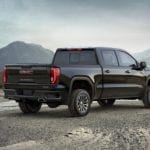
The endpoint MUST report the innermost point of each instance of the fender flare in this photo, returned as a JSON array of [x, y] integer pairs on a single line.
[[83, 78]]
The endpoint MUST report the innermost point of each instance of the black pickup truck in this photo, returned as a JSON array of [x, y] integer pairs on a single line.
[[76, 77]]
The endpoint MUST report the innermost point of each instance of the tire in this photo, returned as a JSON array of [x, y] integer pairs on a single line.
[[106, 103], [30, 107], [53, 105], [80, 102], [146, 99]]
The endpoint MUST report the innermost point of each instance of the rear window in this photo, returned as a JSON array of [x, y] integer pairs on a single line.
[[83, 57]]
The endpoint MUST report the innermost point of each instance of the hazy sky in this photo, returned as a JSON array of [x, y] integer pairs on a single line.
[[77, 23]]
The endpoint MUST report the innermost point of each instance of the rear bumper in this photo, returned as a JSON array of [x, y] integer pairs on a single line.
[[55, 94]]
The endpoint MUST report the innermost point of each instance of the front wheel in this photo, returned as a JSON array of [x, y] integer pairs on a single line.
[[79, 104], [106, 102], [146, 99], [30, 107]]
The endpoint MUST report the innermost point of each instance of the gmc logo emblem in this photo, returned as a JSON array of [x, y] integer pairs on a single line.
[[26, 72]]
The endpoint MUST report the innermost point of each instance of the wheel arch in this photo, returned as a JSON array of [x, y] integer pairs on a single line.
[[82, 80], [147, 82], [146, 86]]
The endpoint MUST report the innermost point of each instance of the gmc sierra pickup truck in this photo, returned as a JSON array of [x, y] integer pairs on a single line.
[[76, 77]]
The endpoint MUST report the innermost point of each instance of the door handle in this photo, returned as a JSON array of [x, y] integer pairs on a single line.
[[127, 71], [107, 71]]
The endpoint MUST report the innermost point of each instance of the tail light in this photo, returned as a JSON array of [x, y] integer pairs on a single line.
[[54, 75], [4, 75]]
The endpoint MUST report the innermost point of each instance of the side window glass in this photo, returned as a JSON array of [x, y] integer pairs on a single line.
[[88, 57], [125, 59], [110, 58]]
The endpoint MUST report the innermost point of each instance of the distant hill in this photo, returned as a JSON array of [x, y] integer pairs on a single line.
[[143, 56], [21, 52]]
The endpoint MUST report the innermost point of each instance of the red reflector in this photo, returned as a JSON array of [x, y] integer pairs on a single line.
[[4, 75], [54, 75]]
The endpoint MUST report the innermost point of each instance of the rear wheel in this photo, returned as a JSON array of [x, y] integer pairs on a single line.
[[79, 104], [106, 102], [30, 107], [146, 99]]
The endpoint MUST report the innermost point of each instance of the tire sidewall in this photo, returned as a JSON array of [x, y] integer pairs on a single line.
[[29, 108], [148, 95], [35, 107], [77, 94]]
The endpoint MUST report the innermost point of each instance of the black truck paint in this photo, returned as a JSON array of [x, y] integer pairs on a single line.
[[77, 77]]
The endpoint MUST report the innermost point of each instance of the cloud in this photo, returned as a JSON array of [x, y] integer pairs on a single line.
[[65, 23]]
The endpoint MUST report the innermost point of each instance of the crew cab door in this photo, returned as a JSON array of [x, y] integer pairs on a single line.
[[132, 78], [111, 74], [120, 80]]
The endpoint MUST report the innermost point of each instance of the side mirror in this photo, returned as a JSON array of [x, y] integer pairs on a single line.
[[134, 66], [143, 65]]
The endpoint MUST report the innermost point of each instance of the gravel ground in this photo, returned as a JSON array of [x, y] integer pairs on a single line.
[[125, 126], [1, 95]]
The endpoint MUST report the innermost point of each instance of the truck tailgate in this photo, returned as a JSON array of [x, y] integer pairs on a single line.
[[33, 73]]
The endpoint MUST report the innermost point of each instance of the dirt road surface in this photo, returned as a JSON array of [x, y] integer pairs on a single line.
[[125, 126]]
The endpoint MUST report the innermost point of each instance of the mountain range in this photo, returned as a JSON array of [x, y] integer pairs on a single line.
[[21, 52]]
